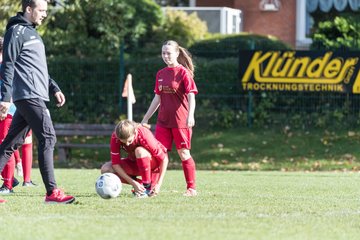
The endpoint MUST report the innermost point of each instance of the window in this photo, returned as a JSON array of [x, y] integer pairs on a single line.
[[173, 3]]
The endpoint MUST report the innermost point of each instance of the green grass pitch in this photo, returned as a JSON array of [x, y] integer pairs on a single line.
[[230, 205]]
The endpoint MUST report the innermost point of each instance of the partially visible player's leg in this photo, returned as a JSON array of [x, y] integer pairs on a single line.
[[130, 167], [143, 161], [107, 168], [27, 159], [189, 168], [8, 176], [7, 158], [155, 174], [164, 136], [182, 139], [18, 164]]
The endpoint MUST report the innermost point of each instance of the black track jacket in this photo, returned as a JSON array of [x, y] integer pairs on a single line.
[[24, 69]]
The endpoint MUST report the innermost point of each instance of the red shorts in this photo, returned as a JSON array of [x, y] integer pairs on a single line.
[[4, 127], [131, 168], [181, 137]]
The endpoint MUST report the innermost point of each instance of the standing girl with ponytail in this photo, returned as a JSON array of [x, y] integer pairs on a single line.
[[175, 91]]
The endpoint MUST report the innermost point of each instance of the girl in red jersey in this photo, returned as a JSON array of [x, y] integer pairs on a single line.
[[175, 91], [146, 157]]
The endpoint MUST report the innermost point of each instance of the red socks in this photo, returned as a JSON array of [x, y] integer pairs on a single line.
[[155, 175], [27, 155], [17, 156], [8, 172], [144, 165], [189, 172]]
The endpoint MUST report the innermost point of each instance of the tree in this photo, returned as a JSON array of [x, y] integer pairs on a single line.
[[7, 10], [185, 28], [178, 25], [96, 28], [341, 32]]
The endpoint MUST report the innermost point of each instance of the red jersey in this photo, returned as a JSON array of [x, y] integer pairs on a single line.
[[144, 138], [173, 84]]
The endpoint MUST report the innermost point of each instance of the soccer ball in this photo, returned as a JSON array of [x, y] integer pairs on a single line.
[[108, 185]]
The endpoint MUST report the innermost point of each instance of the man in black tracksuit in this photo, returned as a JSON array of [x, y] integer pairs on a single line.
[[26, 82]]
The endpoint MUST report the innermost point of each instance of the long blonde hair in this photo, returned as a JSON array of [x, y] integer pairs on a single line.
[[184, 57], [125, 129]]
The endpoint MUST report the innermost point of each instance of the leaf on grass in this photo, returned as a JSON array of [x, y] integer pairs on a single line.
[[349, 157], [224, 161], [215, 164], [324, 141], [317, 165], [351, 134], [254, 165], [239, 164], [286, 129]]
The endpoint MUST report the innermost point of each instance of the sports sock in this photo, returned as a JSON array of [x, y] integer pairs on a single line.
[[8, 172], [189, 172], [144, 165], [155, 175], [27, 155], [17, 156]]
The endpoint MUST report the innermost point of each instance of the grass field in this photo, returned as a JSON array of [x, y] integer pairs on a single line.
[[230, 205], [280, 149]]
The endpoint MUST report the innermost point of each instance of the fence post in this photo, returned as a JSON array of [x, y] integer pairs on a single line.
[[250, 100], [121, 73], [249, 109]]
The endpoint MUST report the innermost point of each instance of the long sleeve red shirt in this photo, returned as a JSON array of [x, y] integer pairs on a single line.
[[144, 138]]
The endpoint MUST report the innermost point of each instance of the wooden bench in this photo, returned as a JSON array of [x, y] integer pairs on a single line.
[[72, 130]]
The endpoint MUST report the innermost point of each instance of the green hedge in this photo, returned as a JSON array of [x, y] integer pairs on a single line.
[[224, 46], [93, 87]]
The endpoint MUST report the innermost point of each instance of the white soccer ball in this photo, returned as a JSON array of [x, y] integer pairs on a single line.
[[108, 185]]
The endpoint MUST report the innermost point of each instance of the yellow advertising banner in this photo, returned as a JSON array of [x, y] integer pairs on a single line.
[[313, 71]]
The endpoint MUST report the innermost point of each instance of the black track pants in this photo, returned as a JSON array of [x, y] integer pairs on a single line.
[[32, 114]]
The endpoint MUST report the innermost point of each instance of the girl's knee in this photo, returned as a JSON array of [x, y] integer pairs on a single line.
[[141, 152], [184, 154], [106, 167]]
